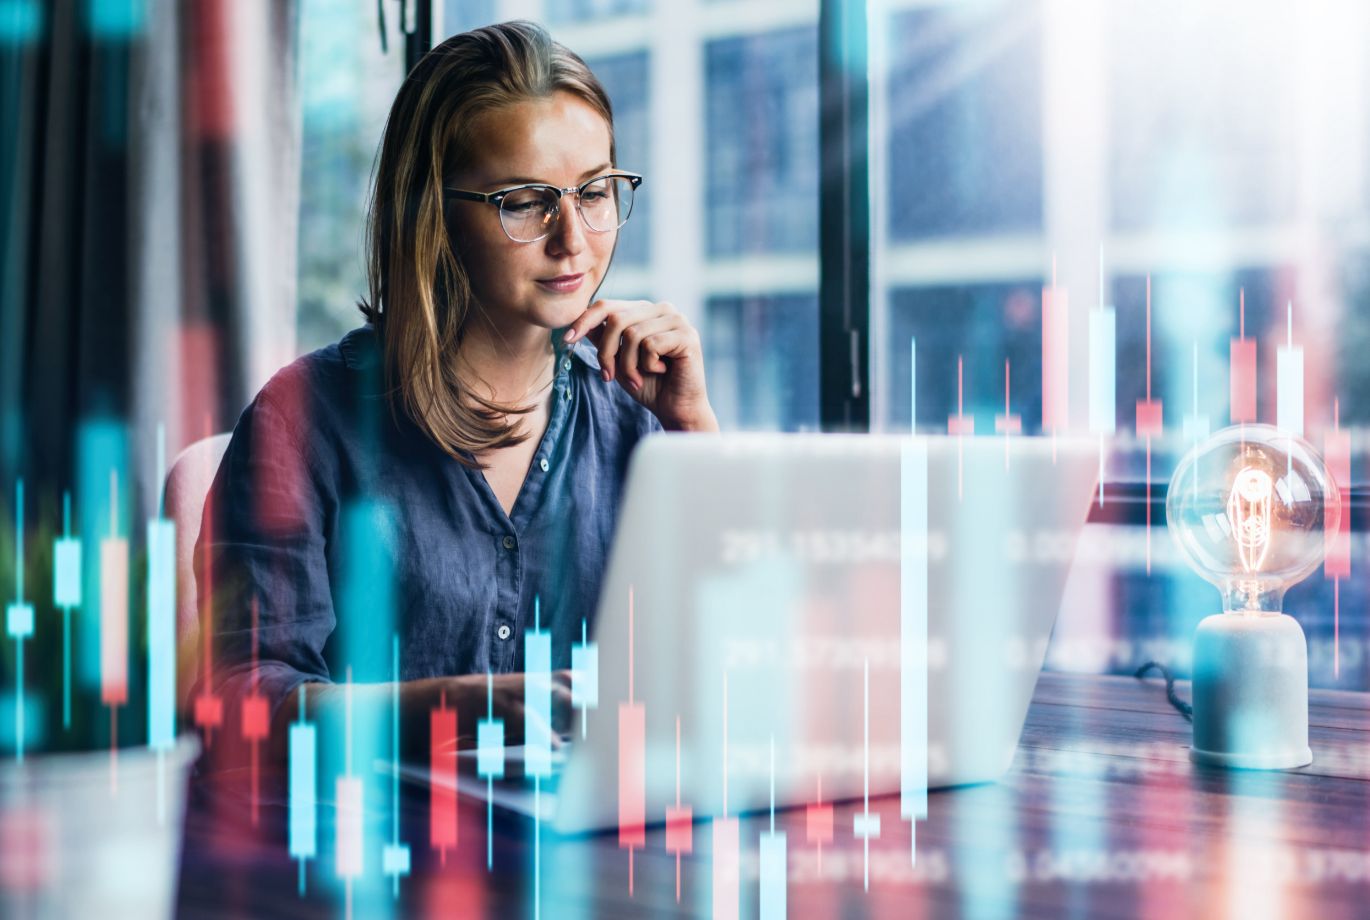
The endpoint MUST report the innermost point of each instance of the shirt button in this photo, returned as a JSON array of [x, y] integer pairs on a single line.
[[503, 631], [566, 364], [509, 542], [566, 393], [543, 464]]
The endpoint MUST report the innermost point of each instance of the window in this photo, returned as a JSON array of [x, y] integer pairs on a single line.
[[464, 15], [759, 354], [346, 87], [567, 11], [965, 125], [992, 330], [1216, 153], [626, 79], [761, 128]]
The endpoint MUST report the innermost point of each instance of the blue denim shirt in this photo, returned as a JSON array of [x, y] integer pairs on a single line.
[[350, 529]]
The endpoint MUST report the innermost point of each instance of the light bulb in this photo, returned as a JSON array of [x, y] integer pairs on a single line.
[[1250, 508]]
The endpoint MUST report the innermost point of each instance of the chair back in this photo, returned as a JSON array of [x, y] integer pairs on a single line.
[[187, 486]]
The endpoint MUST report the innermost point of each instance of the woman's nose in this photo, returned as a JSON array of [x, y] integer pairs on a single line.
[[568, 233]]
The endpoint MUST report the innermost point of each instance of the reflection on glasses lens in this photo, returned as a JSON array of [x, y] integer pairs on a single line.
[[527, 213], [606, 203]]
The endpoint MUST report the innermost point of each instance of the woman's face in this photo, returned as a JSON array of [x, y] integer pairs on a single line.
[[561, 141]]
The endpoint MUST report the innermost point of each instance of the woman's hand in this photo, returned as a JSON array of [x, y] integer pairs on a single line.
[[505, 691], [468, 694], [654, 353]]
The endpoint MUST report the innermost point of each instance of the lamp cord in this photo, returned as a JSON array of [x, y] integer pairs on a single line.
[[1184, 708]]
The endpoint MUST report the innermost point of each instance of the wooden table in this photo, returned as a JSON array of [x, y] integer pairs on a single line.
[[1102, 814]]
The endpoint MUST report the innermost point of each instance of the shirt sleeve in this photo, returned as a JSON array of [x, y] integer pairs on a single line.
[[261, 567], [650, 424]]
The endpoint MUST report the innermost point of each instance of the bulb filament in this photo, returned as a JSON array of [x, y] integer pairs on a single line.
[[1248, 510]]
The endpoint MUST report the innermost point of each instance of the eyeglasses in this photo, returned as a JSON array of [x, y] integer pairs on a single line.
[[528, 212]]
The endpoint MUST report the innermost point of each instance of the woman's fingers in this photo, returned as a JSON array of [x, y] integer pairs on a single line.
[[562, 711], [591, 318], [673, 341], [594, 316], [507, 694], [609, 337], [537, 727], [617, 328], [522, 723], [631, 359]]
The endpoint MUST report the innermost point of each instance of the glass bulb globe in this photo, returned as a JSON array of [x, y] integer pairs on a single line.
[[1248, 508]]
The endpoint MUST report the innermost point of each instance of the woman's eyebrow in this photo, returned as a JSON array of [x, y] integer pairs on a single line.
[[527, 180]]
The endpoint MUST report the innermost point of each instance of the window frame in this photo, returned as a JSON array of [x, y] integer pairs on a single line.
[[844, 212]]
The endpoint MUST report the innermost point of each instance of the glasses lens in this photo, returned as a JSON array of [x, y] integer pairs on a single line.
[[527, 213], [606, 203]]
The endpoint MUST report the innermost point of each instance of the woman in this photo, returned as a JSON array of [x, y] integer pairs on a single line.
[[412, 500]]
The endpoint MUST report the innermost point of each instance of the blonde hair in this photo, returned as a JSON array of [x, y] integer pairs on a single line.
[[420, 298]]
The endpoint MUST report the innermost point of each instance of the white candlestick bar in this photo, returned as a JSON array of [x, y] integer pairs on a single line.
[[161, 634], [1103, 370], [1289, 384]]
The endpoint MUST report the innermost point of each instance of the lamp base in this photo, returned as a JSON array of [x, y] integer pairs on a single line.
[[1251, 692], [1283, 760]]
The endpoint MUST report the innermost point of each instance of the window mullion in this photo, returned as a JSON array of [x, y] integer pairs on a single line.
[[844, 218]]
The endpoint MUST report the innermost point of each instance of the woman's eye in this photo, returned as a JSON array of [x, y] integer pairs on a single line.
[[593, 196], [525, 204]]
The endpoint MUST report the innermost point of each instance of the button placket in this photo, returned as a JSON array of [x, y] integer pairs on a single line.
[[510, 567]]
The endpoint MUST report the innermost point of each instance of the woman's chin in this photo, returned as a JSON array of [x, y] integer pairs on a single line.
[[560, 314]]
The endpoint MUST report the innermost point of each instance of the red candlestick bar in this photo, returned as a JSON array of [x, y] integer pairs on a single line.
[[818, 823], [442, 802], [679, 820], [256, 717], [1243, 372], [632, 767], [1337, 454], [1336, 565], [209, 706]]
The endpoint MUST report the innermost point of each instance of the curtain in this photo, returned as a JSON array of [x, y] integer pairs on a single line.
[[149, 184], [150, 196]]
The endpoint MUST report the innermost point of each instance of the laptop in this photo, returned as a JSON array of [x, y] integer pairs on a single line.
[[791, 619]]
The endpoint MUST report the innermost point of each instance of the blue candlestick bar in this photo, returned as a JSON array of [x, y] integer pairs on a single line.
[[537, 698], [913, 625], [489, 762], [395, 856], [66, 594], [584, 676], [19, 620], [772, 862], [304, 836]]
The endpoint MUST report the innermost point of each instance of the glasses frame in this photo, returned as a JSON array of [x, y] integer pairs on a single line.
[[497, 197]]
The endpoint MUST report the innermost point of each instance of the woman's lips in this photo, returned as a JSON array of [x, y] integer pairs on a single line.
[[564, 284]]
